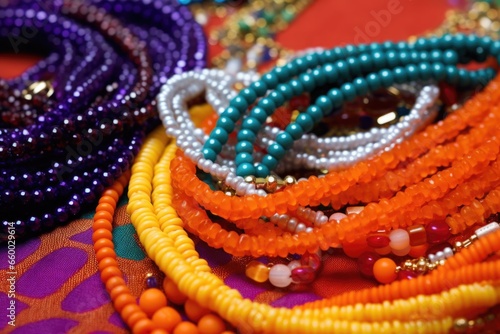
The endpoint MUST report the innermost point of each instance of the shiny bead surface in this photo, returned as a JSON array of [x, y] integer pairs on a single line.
[[257, 271], [418, 235], [280, 276], [437, 232]]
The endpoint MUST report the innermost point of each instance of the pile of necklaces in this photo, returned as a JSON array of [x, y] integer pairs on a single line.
[[386, 152]]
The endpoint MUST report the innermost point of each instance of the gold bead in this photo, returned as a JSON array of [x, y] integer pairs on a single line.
[[250, 179], [289, 180], [460, 325], [271, 183]]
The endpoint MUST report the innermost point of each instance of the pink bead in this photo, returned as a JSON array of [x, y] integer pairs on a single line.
[[400, 239], [303, 275], [407, 274], [311, 260], [437, 232], [366, 262], [378, 241]]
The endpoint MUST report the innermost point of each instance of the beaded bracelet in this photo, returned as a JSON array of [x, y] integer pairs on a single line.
[[382, 68], [175, 255]]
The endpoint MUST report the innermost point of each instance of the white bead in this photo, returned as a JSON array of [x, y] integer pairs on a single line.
[[440, 255], [294, 264], [400, 239], [487, 229], [280, 276], [354, 209], [448, 252], [337, 216]]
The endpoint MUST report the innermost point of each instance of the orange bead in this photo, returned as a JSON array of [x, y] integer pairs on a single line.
[[105, 252], [113, 282], [166, 318], [158, 331], [128, 310], [123, 300], [118, 291], [173, 293], [135, 318], [101, 223], [194, 311], [103, 215], [418, 251], [143, 326], [384, 270], [186, 327], [102, 233], [152, 300], [107, 262], [211, 324], [101, 243], [109, 272]]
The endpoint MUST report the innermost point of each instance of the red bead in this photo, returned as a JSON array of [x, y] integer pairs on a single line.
[[311, 260], [406, 274], [366, 262], [378, 241], [303, 275], [437, 232]]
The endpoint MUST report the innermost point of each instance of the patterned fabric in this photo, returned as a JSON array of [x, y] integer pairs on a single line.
[[58, 287]]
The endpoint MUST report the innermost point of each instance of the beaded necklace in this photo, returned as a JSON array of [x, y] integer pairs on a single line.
[[83, 109]]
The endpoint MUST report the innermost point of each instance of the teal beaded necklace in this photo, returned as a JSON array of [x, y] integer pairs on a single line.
[[352, 71]]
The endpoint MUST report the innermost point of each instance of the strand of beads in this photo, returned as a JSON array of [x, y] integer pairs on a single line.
[[88, 103], [173, 251]]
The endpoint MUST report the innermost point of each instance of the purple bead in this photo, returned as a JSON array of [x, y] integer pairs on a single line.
[[151, 282]]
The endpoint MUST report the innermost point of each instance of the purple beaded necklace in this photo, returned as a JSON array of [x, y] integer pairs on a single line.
[[72, 124]]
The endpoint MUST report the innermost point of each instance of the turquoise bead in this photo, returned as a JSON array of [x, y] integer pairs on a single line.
[[450, 57], [438, 72], [365, 62], [464, 79], [260, 114], [251, 124], [425, 71], [375, 47], [318, 76], [285, 140], [276, 150], [436, 55], [354, 67], [297, 87], [446, 41], [243, 157], [392, 58], [307, 82], [471, 42], [424, 56], [294, 130], [246, 135], [277, 98], [245, 169], [342, 69], [285, 90], [336, 97], [328, 56], [330, 73], [325, 105], [239, 103], [315, 112], [458, 41], [386, 77], [415, 57], [399, 75], [262, 170], [360, 86], [292, 69], [281, 73], [388, 45], [267, 104], [244, 146], [248, 94], [451, 75], [269, 161], [411, 72], [404, 57], [300, 65], [305, 121], [232, 113], [270, 80], [348, 91], [339, 53], [220, 134], [312, 59], [434, 42], [378, 60], [209, 154], [350, 50], [226, 123], [421, 44], [373, 81], [401, 46], [362, 48], [259, 87]]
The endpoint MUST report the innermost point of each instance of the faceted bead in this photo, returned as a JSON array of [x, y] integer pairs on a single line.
[[378, 241], [311, 260], [280, 276], [407, 274], [399, 239], [303, 275], [418, 235], [257, 271], [366, 262], [437, 232]]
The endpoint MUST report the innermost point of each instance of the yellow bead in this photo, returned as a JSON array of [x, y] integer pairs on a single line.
[[257, 271]]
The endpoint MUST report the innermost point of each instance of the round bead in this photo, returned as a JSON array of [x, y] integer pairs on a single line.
[[366, 261], [195, 311], [173, 293], [378, 241], [211, 324], [305, 122], [384, 270], [303, 275], [280, 276], [437, 232], [399, 239], [245, 169], [152, 300], [311, 260], [186, 327], [166, 318]]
